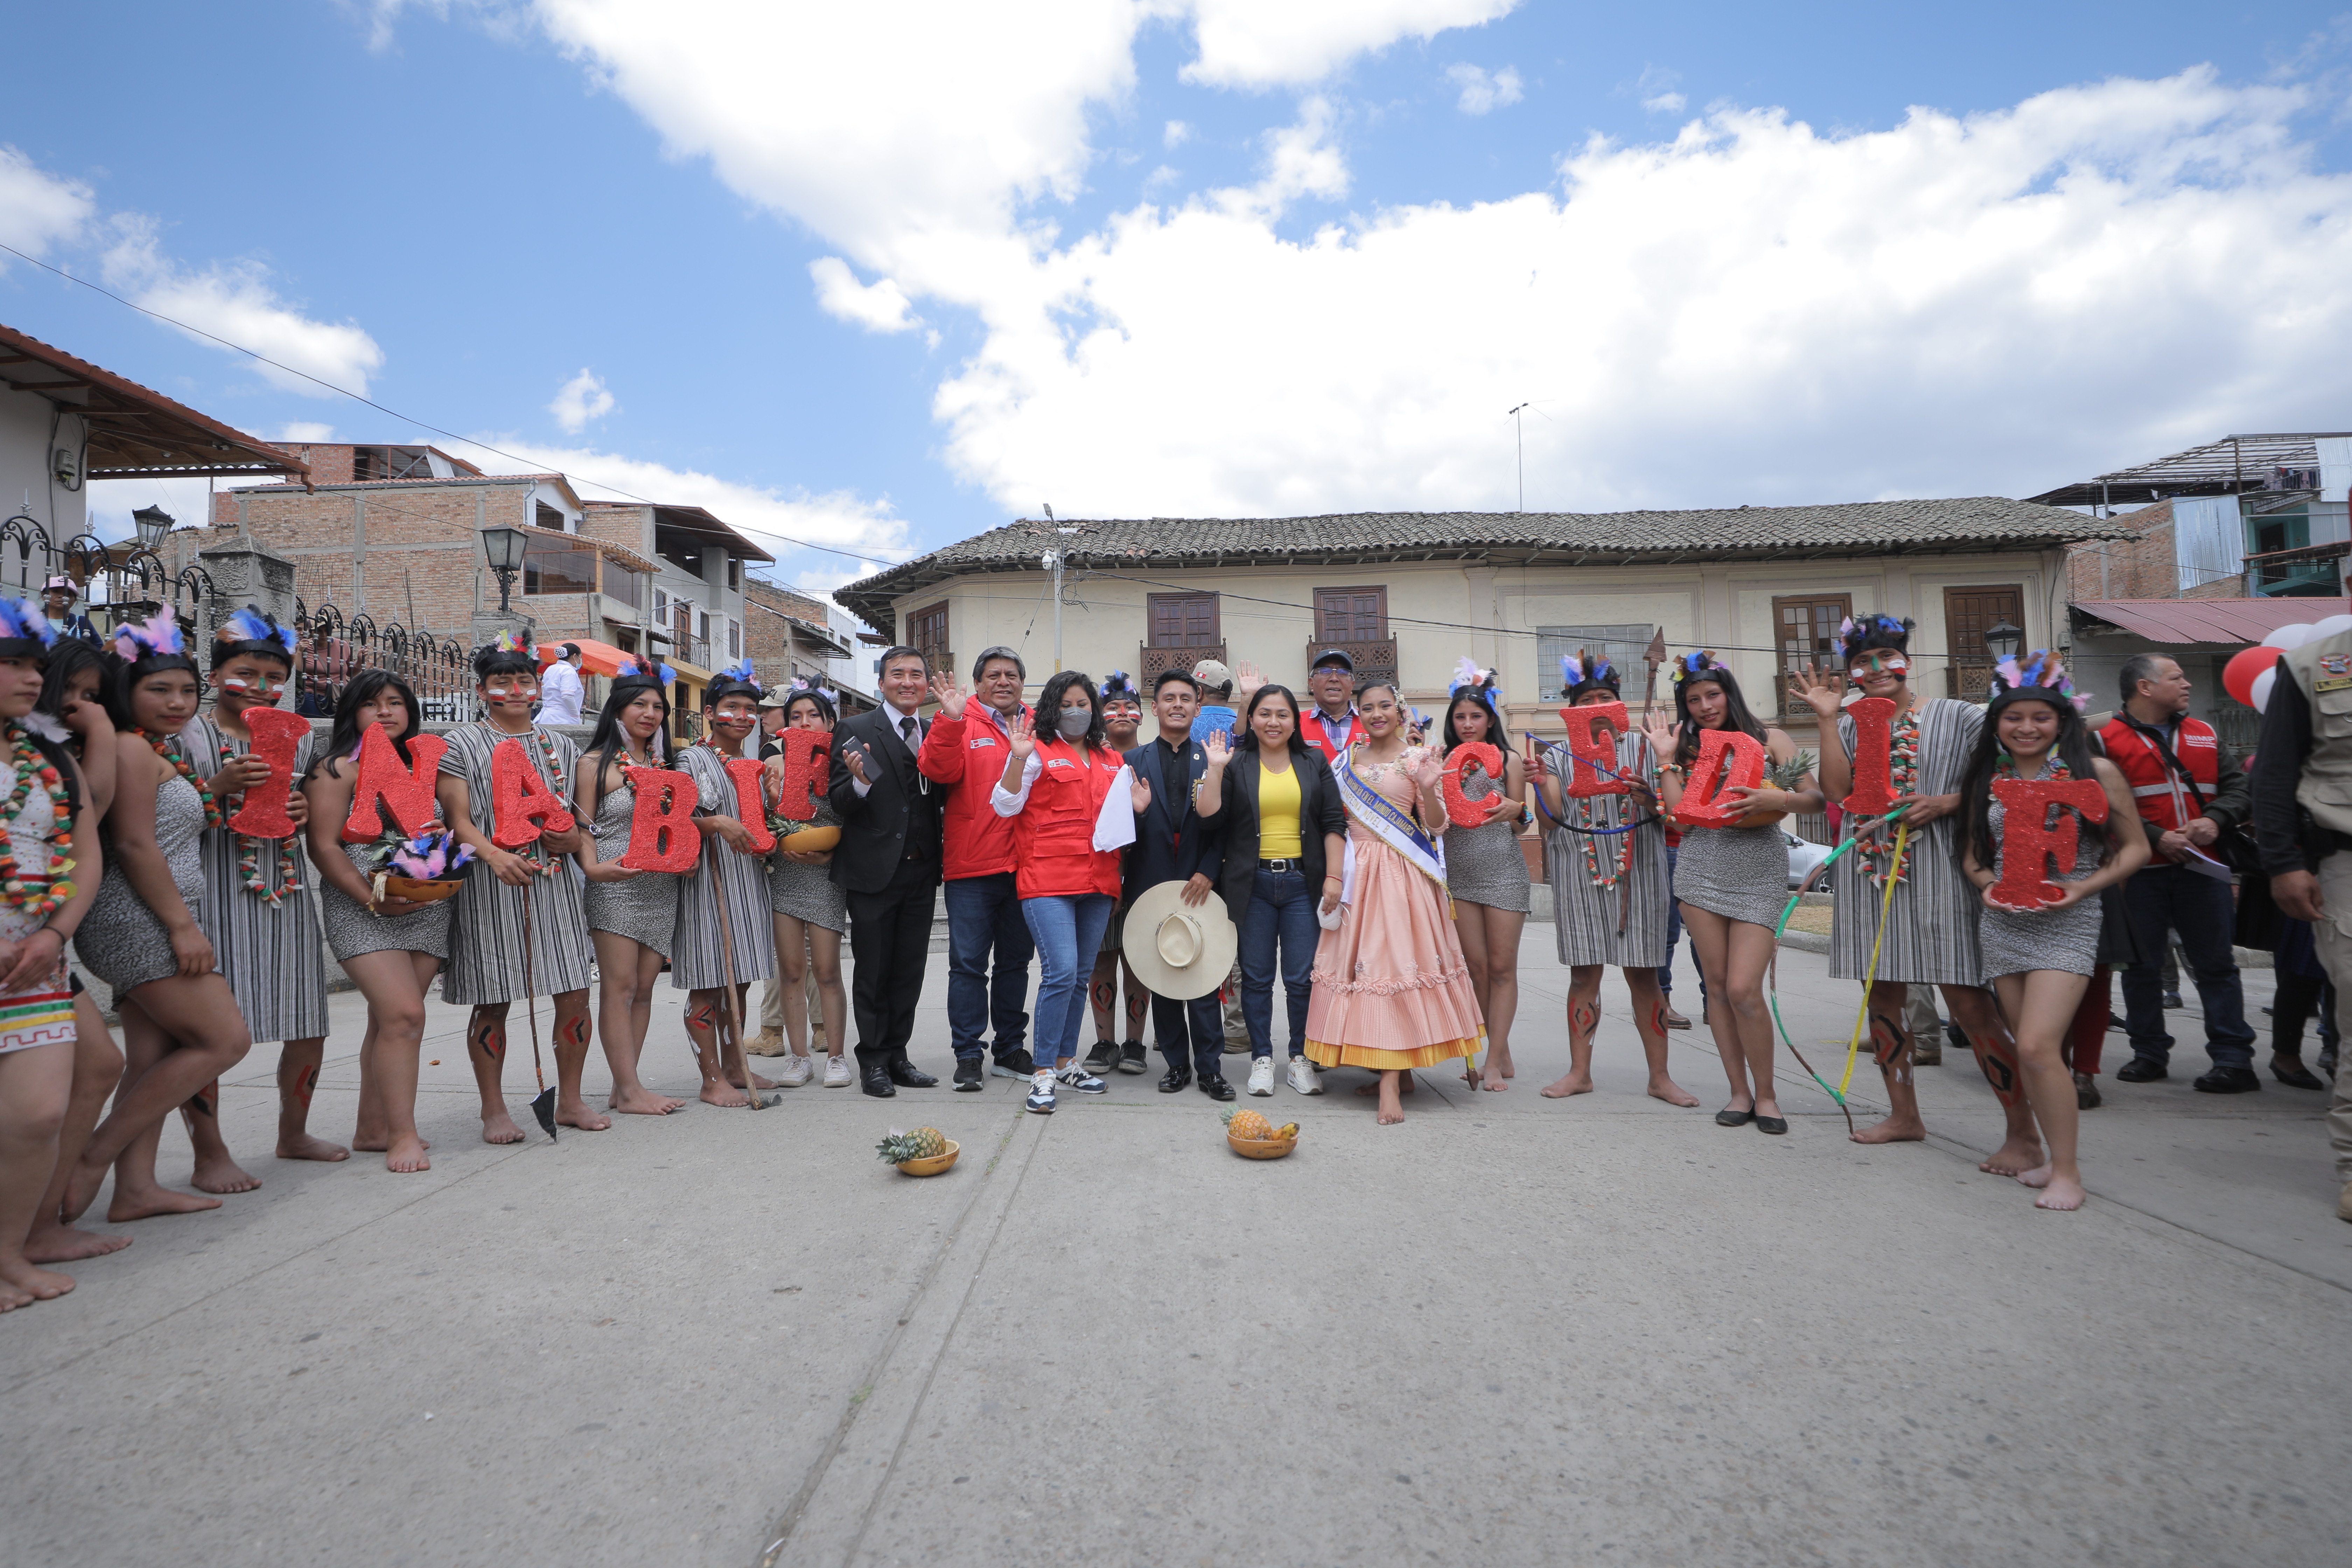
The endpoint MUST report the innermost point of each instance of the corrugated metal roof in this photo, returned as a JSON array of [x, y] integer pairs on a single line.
[[2210, 620]]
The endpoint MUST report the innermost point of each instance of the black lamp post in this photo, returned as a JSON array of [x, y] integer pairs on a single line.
[[152, 522], [2002, 640], [503, 547]]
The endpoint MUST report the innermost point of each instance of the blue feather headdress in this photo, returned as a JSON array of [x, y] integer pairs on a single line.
[[1580, 669], [252, 630], [1119, 685], [1702, 665], [632, 669], [2040, 678], [157, 636], [24, 631], [1469, 679], [733, 682], [1859, 636]]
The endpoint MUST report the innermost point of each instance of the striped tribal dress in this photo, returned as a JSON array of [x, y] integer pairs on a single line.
[[485, 945], [273, 955], [1931, 930], [696, 962], [1586, 915]]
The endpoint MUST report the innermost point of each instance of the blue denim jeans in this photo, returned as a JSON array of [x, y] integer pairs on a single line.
[[1281, 908], [2201, 909], [985, 913], [1068, 930]]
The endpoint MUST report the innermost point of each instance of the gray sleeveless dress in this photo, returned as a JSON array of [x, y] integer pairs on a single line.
[[353, 933], [1485, 865], [642, 908], [121, 939], [2065, 939], [809, 893], [1740, 873]]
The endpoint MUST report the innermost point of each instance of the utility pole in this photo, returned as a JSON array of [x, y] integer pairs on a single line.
[[1519, 437], [1053, 563]]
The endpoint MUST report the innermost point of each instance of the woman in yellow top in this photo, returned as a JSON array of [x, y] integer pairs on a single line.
[[1284, 831]]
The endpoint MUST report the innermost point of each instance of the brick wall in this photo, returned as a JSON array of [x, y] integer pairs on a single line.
[[2140, 567]]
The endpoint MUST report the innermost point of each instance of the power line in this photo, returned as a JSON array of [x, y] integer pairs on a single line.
[[861, 557]]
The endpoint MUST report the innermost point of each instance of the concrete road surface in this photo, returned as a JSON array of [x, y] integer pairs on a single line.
[[1510, 1330]]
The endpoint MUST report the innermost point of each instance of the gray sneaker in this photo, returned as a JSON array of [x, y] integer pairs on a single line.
[[1103, 1058]]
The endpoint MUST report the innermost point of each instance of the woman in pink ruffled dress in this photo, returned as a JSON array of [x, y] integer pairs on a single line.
[[1392, 990]]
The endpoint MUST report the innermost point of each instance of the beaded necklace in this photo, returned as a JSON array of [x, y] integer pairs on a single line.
[[1620, 845], [164, 746], [248, 861], [1903, 778], [36, 896]]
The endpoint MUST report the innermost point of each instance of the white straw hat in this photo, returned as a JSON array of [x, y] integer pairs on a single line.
[[1180, 951]]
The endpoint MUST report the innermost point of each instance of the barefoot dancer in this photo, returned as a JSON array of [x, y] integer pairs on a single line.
[[1391, 988], [486, 936], [69, 701], [1485, 871], [46, 825], [2040, 960], [1931, 931], [181, 1027], [257, 908], [1122, 712], [390, 947], [809, 913], [1605, 857], [632, 914], [729, 870], [1732, 881]]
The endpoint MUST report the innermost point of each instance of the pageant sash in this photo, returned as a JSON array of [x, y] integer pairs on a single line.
[[1390, 826]]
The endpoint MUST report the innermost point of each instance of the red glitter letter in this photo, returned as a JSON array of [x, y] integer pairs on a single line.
[[804, 776], [1460, 809], [276, 734], [1745, 772], [521, 805], [1873, 746], [386, 786], [1586, 748], [662, 834], [2028, 843], [750, 805]]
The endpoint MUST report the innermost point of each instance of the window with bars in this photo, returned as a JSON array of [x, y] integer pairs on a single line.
[[1351, 615], [1806, 632], [927, 632], [1623, 646], [1182, 620]]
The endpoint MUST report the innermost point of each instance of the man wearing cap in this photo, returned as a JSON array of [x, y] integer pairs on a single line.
[[1173, 843], [1332, 727], [560, 690], [58, 596], [964, 754]]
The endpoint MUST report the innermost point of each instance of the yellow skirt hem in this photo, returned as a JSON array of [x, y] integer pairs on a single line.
[[1323, 1053]]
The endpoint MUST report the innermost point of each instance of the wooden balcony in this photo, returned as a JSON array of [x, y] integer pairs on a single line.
[[1377, 657], [1970, 681], [1149, 661]]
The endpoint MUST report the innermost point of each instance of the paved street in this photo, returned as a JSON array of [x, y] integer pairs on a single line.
[[1511, 1331]]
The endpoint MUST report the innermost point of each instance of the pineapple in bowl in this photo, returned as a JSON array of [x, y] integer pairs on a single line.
[[925, 1151], [1251, 1136]]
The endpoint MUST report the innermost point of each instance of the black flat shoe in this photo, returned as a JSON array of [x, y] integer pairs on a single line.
[[1774, 1125], [1176, 1078], [2139, 1069], [2295, 1078], [1727, 1117], [1216, 1089]]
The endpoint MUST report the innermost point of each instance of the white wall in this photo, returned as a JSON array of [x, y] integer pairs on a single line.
[[26, 483]]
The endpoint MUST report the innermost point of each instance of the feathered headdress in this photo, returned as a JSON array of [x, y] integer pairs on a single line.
[[1701, 664], [2040, 678], [24, 632], [1471, 679], [252, 630], [1859, 636], [506, 654], [1118, 685], [1580, 670], [733, 682], [510, 641], [157, 636], [632, 669]]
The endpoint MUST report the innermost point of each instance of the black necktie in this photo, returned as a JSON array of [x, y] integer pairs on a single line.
[[909, 728]]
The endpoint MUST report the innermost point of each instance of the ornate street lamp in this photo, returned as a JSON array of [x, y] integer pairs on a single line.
[[503, 547], [2002, 640], [152, 522]]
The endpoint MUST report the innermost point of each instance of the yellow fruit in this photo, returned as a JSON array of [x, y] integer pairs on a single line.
[[1287, 1129], [1248, 1124]]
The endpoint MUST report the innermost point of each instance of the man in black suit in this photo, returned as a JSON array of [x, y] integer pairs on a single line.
[[1173, 843], [887, 866]]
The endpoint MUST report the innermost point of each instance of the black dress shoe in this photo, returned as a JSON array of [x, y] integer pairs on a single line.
[[876, 1081], [970, 1077], [907, 1075], [2172, 1002], [2294, 1077], [2227, 1080], [1216, 1088], [1176, 1078], [2139, 1069]]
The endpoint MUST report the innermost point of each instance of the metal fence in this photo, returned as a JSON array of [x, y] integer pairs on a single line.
[[333, 648]]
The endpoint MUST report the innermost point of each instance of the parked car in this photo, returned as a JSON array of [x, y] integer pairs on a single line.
[[1804, 855]]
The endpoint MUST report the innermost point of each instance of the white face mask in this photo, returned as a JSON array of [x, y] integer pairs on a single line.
[[1074, 722]]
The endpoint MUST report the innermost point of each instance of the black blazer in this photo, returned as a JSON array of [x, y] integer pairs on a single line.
[[1173, 842], [1319, 811], [877, 827]]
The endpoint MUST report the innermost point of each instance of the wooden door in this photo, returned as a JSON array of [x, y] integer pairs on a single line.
[[1968, 614], [1351, 615]]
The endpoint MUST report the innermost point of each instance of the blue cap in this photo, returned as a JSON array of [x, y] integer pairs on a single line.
[[1333, 656]]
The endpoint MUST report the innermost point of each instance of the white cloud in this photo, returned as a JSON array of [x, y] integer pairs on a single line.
[[1665, 103], [579, 400], [306, 430], [236, 301], [770, 516], [878, 307], [1300, 162], [1253, 44], [1482, 92], [39, 210], [1176, 134]]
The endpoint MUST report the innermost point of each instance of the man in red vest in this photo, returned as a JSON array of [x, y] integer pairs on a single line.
[[2189, 790], [1332, 727]]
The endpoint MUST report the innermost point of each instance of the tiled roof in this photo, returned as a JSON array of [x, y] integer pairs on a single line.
[[1975, 523], [2223, 621], [419, 483]]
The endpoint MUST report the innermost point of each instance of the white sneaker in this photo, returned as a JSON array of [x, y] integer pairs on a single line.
[[1261, 1079], [796, 1073], [1041, 1093], [837, 1074], [1302, 1077]]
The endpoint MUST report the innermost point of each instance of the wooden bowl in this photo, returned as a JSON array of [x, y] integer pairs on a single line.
[[934, 1165], [1262, 1148], [418, 892], [810, 840]]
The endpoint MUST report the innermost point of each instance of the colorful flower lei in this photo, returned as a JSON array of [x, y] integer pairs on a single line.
[[164, 746], [37, 895], [1903, 778]]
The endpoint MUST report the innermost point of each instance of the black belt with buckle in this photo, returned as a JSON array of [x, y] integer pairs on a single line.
[[1293, 865]]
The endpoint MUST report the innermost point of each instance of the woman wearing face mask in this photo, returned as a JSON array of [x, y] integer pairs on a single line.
[[1605, 857], [2039, 959], [1485, 871], [1285, 836], [390, 948], [702, 960], [1732, 881], [181, 1028], [810, 912], [1122, 711], [632, 914], [1054, 787]]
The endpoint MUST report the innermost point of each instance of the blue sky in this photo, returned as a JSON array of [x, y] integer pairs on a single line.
[[499, 197]]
